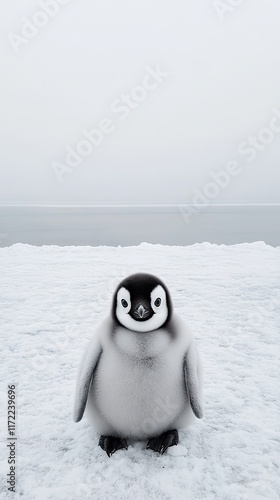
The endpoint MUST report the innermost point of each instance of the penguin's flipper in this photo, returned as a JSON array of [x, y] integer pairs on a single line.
[[193, 375], [87, 368]]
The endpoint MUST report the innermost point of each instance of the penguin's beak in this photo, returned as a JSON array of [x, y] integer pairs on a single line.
[[141, 312]]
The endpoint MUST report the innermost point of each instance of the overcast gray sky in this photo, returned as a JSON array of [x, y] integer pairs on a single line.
[[223, 86]]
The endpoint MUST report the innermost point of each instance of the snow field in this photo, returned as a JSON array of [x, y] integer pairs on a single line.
[[51, 300]]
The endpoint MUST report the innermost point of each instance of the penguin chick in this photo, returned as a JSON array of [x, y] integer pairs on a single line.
[[141, 374]]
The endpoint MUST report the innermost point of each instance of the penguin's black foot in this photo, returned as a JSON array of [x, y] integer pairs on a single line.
[[111, 444], [162, 442]]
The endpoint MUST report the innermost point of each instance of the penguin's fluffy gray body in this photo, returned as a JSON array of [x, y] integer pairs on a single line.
[[138, 390], [138, 385]]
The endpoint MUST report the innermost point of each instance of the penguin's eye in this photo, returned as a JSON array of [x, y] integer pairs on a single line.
[[124, 303], [157, 302]]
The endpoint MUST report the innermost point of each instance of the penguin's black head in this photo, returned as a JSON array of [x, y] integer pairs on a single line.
[[142, 303]]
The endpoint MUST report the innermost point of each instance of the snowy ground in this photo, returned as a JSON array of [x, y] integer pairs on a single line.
[[51, 300]]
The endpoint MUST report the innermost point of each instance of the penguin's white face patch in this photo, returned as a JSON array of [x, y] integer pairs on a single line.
[[158, 300], [145, 314], [123, 302]]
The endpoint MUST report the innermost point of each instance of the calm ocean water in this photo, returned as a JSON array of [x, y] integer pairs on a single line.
[[170, 225]]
